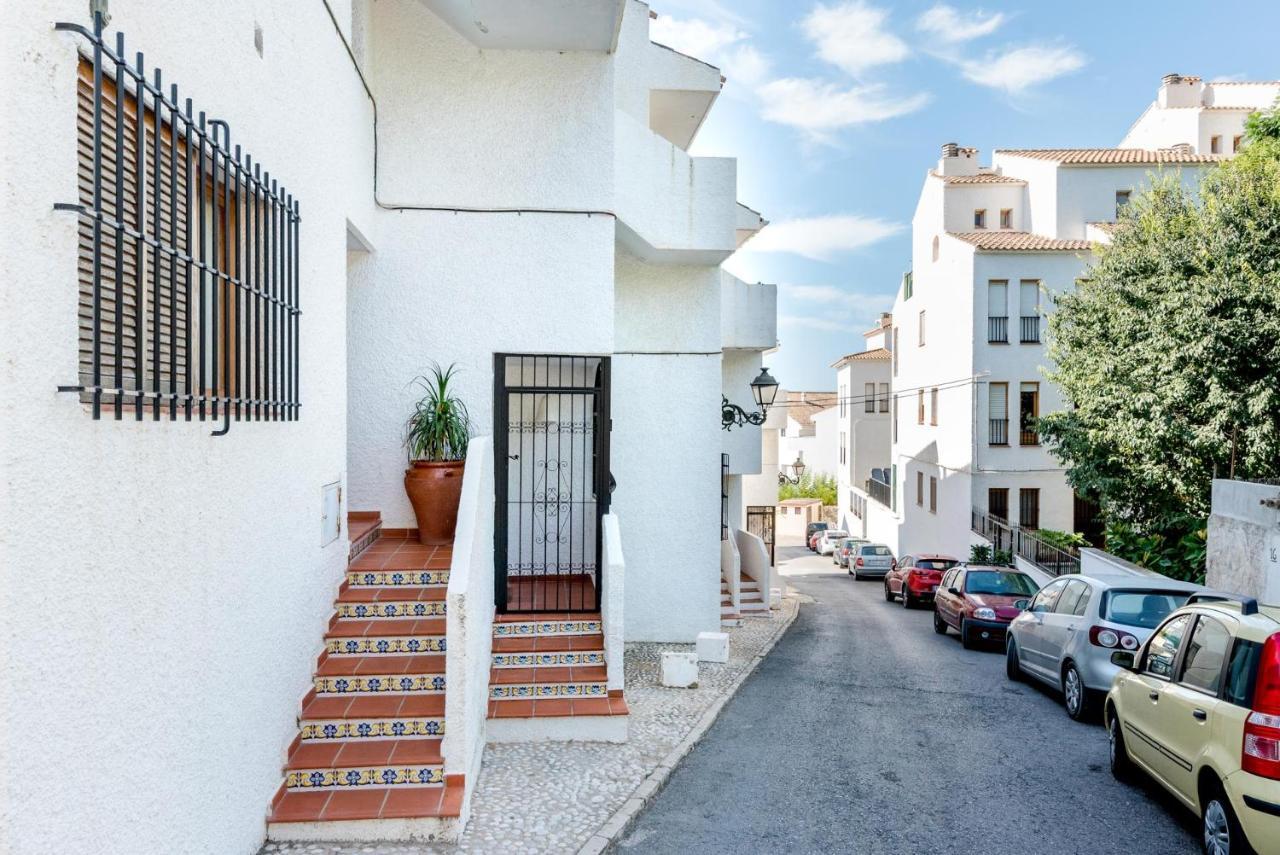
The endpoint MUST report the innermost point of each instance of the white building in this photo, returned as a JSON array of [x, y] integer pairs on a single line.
[[862, 425], [990, 245], [524, 207], [809, 434]]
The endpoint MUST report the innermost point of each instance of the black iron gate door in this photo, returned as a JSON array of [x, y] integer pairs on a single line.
[[760, 523], [551, 456]]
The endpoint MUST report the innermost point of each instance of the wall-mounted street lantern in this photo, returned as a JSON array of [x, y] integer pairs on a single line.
[[764, 389], [797, 468]]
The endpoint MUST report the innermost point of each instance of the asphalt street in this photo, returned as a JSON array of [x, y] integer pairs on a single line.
[[865, 732]]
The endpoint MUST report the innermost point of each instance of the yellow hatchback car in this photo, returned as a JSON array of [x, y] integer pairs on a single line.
[[1198, 709]]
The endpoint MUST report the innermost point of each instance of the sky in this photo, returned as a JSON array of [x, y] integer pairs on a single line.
[[836, 110]]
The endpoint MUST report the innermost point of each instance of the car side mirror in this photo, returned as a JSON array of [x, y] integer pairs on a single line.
[[1125, 659], [1021, 605], [953, 590]]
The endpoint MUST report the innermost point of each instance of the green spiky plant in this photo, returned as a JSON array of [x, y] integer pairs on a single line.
[[440, 427]]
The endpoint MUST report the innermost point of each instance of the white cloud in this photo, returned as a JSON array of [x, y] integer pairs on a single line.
[[837, 298], [822, 238], [1018, 69], [952, 26], [695, 37], [852, 36], [819, 106], [745, 66]]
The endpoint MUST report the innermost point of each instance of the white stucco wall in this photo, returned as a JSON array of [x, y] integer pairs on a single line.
[[182, 573], [613, 600], [469, 620], [1244, 540], [742, 443]]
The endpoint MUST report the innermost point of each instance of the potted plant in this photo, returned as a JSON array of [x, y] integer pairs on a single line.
[[436, 438]]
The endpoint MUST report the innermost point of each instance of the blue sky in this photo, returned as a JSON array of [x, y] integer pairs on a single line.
[[835, 111]]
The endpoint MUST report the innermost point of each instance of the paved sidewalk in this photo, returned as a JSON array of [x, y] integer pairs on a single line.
[[553, 797]]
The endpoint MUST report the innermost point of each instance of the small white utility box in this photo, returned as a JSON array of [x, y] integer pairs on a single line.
[[680, 670], [713, 647], [775, 598]]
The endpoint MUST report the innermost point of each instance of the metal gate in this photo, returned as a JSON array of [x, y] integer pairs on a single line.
[[551, 454], [760, 519]]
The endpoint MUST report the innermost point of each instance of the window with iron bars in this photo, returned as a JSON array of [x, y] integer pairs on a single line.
[[188, 256]]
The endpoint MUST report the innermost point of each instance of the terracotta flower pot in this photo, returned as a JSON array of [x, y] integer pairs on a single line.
[[434, 489]]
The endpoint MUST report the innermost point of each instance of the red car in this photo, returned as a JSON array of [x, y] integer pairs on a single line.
[[916, 577], [979, 602], [815, 537]]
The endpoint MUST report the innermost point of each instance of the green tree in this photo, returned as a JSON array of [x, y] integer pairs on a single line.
[[1169, 352], [811, 487]]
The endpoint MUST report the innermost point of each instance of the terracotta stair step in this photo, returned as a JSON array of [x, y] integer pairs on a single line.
[[333, 666], [371, 752], [352, 628], [578, 674], [372, 803], [393, 593], [321, 708], [535, 708], [548, 643]]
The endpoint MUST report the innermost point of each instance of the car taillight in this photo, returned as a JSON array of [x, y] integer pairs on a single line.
[[1260, 751], [1104, 636], [859, 562]]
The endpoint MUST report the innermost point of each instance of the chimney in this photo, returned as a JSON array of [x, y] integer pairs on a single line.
[[957, 160], [1180, 90], [1171, 78]]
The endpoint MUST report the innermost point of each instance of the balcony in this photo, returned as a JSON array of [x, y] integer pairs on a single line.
[[998, 330], [1030, 329], [1027, 433], [672, 208], [880, 492], [748, 314], [999, 431]]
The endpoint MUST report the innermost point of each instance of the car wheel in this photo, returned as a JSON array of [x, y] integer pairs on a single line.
[[966, 641], [1222, 832], [1012, 665], [939, 625], [1075, 694], [888, 595], [907, 601], [1121, 766]]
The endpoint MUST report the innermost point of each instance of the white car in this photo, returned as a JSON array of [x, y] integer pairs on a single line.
[[830, 538]]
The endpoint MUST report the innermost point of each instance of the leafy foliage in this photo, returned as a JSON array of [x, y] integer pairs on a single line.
[[1169, 353], [981, 553], [440, 427], [1064, 540], [811, 486]]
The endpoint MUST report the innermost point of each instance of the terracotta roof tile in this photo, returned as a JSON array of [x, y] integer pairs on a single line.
[[980, 178], [878, 353], [1007, 241], [1110, 156]]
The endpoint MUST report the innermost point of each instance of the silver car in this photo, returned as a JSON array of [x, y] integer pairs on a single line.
[[870, 561], [1067, 633]]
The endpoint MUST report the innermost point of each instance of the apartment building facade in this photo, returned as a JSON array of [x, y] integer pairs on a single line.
[[863, 423], [506, 188], [991, 246]]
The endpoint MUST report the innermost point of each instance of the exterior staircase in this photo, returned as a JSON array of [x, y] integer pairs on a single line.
[[729, 616], [750, 598], [366, 763], [548, 680]]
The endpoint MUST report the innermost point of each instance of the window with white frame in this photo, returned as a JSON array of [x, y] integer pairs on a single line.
[[884, 397], [869, 397]]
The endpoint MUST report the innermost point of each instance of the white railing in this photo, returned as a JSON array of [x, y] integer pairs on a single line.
[[611, 602], [731, 572], [469, 621]]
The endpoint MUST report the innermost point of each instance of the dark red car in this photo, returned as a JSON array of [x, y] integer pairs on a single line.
[[916, 577], [979, 602]]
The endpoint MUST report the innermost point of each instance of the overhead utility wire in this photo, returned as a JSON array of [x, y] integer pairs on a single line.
[[456, 209]]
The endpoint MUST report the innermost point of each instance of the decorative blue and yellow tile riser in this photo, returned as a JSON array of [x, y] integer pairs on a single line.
[[366, 684], [415, 578], [532, 660], [373, 645], [377, 776], [374, 728], [391, 610], [549, 627], [549, 690]]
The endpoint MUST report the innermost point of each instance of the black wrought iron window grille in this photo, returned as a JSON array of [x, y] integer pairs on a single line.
[[188, 255]]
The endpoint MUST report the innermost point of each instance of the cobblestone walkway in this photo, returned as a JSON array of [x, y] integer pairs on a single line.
[[551, 797]]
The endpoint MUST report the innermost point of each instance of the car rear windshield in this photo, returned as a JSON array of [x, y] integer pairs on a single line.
[[876, 550], [996, 583], [817, 526], [935, 564], [1140, 608]]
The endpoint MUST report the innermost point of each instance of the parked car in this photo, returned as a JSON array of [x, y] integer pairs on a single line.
[[811, 531], [1198, 709], [916, 577], [1066, 636], [871, 561], [845, 549], [979, 601], [827, 542]]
